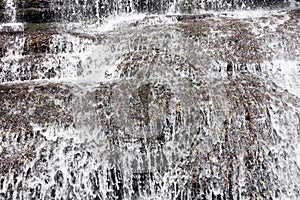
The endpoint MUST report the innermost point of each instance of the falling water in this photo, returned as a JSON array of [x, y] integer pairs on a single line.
[[10, 11], [10, 17], [152, 100], [91, 10]]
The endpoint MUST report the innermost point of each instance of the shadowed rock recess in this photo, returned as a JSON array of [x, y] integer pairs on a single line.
[[202, 104]]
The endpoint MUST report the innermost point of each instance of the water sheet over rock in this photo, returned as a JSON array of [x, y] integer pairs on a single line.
[[197, 106]]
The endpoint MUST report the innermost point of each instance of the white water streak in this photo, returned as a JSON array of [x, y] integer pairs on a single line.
[[10, 11]]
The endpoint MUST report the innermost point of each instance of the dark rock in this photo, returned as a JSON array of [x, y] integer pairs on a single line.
[[1, 15], [229, 69], [34, 4], [36, 15], [1, 5], [23, 105], [40, 99]]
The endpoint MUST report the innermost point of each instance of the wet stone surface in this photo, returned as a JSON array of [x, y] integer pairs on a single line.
[[186, 110], [41, 11]]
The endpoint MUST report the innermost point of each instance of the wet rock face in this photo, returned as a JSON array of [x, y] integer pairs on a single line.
[[1, 4], [36, 15], [37, 44], [187, 110], [37, 11], [34, 3], [190, 6], [36, 54], [23, 105], [1, 10]]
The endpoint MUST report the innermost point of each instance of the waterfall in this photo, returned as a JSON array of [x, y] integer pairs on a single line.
[[10, 11], [10, 17], [97, 10], [150, 99]]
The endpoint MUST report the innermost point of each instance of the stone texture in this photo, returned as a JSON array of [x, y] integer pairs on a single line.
[[37, 11], [209, 127], [36, 15]]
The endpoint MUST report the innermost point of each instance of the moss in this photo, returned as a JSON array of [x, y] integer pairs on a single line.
[[38, 27], [1, 4]]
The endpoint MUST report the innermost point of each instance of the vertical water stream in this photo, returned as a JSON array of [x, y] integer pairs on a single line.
[[10, 17], [10, 11]]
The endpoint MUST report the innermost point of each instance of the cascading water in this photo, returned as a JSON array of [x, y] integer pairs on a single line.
[[10, 17], [154, 99], [100, 9], [10, 11]]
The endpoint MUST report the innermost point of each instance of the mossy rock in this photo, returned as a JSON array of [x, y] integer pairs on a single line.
[[39, 27], [1, 4]]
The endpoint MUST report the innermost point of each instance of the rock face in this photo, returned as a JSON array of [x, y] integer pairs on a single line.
[[37, 11], [164, 107]]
